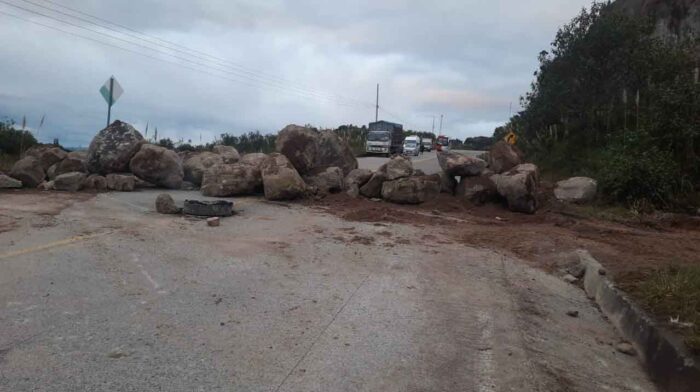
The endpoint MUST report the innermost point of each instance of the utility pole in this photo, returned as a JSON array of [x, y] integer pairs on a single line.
[[441, 124], [111, 95], [433, 125], [376, 109]]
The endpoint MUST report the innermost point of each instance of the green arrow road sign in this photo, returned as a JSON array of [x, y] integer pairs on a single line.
[[111, 91], [116, 88]]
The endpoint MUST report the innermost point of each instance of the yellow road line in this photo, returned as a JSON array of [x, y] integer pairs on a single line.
[[50, 245]]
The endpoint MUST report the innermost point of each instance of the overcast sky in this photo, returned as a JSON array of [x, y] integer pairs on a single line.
[[274, 62]]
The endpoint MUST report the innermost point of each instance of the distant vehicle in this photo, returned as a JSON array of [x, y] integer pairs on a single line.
[[411, 145], [384, 138], [427, 144], [443, 143]]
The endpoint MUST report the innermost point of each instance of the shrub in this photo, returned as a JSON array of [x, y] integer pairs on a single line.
[[14, 141], [634, 171]]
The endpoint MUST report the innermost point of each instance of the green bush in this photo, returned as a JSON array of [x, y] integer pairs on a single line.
[[14, 141], [632, 170]]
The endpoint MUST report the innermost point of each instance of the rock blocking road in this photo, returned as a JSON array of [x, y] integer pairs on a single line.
[[104, 294]]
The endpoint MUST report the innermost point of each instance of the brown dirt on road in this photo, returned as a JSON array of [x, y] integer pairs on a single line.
[[629, 250]]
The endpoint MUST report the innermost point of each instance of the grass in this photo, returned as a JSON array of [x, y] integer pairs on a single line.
[[673, 294]]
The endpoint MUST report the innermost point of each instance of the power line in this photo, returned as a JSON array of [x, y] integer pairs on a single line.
[[174, 47], [136, 52], [256, 81]]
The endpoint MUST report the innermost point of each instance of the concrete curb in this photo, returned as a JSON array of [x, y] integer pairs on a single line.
[[671, 365]]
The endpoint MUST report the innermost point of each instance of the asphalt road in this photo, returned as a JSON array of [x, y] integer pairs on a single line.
[[427, 162], [104, 294]]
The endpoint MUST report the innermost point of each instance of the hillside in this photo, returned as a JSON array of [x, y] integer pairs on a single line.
[[673, 18]]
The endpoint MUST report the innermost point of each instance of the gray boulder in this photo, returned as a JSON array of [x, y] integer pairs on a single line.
[[46, 186], [74, 162], [121, 182], [357, 177], [519, 190], [503, 157], [7, 182], [300, 145], [373, 187], [281, 181], [329, 180], [228, 154], [527, 168], [576, 189], [29, 171], [70, 182], [411, 190], [47, 155], [112, 148], [476, 190], [231, 180], [448, 183], [253, 159], [95, 181], [166, 205], [196, 164], [458, 165], [158, 165], [397, 167], [334, 152]]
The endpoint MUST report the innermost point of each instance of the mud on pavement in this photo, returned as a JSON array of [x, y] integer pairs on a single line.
[[288, 298]]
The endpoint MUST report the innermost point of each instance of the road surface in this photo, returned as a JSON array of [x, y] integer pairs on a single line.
[[427, 162], [103, 294]]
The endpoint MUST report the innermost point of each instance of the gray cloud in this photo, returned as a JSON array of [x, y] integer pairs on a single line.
[[466, 59]]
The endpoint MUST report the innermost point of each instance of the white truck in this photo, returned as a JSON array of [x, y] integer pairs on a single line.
[[384, 138], [411, 145], [427, 144]]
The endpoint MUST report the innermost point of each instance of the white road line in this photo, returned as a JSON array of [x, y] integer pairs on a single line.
[[145, 273]]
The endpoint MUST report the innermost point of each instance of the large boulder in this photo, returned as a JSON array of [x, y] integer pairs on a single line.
[[74, 162], [334, 152], [527, 168], [373, 187], [95, 181], [7, 182], [458, 165], [47, 155], [29, 171], [329, 180], [476, 190], [281, 181], [253, 159], [228, 154], [121, 182], [397, 167], [411, 190], [112, 148], [357, 177], [519, 189], [196, 164], [576, 189], [300, 145], [71, 182], [448, 183], [504, 156], [158, 165], [223, 180]]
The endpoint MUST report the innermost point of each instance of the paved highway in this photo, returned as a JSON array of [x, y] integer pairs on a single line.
[[104, 294]]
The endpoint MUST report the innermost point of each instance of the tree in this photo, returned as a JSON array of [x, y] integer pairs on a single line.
[[14, 141]]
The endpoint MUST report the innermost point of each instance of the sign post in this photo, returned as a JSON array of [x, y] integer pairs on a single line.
[[111, 91]]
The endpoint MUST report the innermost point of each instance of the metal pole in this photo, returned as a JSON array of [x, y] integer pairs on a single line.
[[433, 125], [376, 109], [441, 124], [109, 106]]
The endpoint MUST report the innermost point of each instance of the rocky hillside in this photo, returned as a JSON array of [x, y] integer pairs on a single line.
[[674, 18]]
